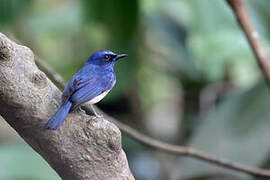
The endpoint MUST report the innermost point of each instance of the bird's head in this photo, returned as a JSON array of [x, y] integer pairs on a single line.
[[104, 58]]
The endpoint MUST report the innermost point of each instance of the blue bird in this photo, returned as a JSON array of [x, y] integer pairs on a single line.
[[90, 84]]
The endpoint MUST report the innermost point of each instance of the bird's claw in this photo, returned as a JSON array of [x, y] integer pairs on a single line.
[[97, 116]]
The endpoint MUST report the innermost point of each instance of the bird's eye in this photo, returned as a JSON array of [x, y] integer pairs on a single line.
[[106, 57]]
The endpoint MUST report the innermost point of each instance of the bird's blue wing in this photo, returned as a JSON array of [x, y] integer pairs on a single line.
[[79, 80], [90, 90], [86, 84], [80, 90], [73, 85], [87, 92]]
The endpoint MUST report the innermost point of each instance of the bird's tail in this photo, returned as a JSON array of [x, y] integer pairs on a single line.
[[59, 116]]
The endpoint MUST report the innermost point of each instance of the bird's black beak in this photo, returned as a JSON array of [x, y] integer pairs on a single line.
[[119, 56]]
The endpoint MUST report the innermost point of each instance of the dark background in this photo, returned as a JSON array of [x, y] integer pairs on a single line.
[[190, 79]]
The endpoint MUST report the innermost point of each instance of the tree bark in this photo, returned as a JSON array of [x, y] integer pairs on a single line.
[[84, 147]]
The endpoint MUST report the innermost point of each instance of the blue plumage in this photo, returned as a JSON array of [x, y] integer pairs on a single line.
[[91, 83], [59, 116]]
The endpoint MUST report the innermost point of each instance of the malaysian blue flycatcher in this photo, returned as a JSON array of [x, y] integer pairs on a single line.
[[90, 84]]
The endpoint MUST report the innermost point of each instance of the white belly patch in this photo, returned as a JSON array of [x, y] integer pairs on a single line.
[[99, 97]]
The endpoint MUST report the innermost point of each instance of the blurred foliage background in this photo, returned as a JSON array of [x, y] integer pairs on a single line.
[[190, 79]]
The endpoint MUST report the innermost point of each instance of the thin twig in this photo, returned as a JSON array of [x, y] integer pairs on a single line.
[[243, 18], [55, 77], [175, 149], [187, 151]]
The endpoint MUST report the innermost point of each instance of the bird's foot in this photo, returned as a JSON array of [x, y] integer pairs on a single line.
[[97, 116], [95, 113]]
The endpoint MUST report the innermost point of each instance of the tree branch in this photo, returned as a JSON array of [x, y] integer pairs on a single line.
[[241, 13], [52, 75], [169, 148], [84, 147]]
